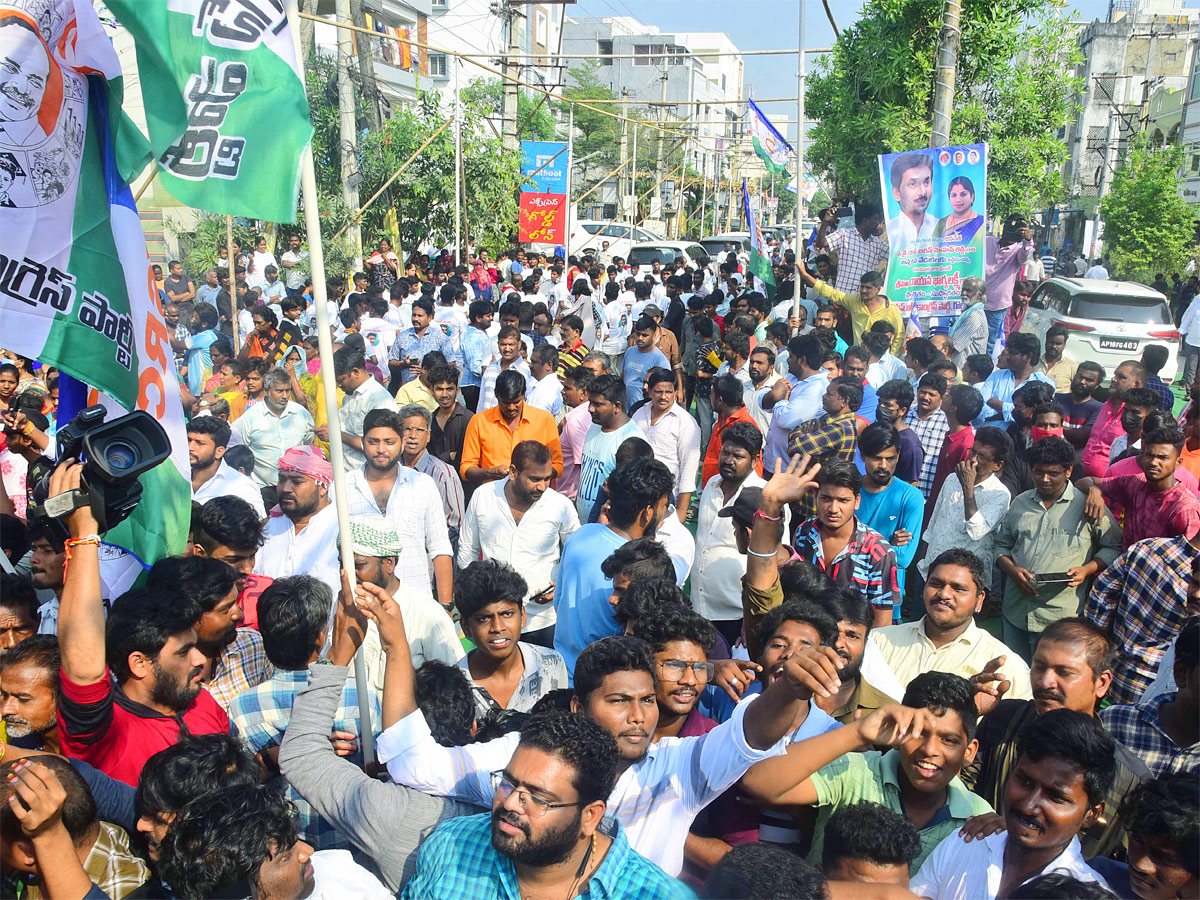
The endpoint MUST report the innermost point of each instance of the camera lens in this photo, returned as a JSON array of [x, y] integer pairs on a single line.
[[120, 456]]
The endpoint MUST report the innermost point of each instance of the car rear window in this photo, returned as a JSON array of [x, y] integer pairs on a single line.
[[1134, 310], [644, 256], [712, 248]]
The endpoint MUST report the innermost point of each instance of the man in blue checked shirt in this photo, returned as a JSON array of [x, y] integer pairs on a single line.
[[659, 787], [293, 617], [1015, 368], [412, 344]]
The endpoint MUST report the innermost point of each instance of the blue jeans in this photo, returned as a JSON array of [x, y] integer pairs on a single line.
[[995, 320], [1019, 640]]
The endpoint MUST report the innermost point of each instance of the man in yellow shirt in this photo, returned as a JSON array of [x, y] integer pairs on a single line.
[[866, 307]]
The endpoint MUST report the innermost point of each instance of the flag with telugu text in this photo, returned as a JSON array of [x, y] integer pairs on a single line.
[[225, 102]]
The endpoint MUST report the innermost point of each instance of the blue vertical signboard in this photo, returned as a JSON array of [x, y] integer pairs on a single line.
[[543, 202]]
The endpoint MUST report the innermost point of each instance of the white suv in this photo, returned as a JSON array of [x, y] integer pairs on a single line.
[[1107, 322]]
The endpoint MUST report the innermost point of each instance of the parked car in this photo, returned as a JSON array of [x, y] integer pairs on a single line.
[[1107, 321], [714, 245], [587, 238], [666, 252]]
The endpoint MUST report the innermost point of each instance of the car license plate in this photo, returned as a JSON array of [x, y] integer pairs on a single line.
[[1124, 345]]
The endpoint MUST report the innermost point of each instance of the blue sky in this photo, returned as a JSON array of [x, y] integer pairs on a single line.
[[765, 25]]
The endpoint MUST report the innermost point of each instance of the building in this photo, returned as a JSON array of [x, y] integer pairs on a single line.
[[691, 80], [1144, 49]]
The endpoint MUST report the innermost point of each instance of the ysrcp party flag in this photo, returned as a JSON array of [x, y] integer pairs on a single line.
[[225, 102], [936, 202], [76, 288], [760, 260], [768, 143]]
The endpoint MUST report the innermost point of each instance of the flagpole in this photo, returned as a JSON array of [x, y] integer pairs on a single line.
[[316, 258], [233, 305], [799, 158], [457, 165]]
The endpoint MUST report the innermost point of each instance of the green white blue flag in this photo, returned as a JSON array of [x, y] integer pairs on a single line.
[[760, 259], [76, 288], [769, 144], [225, 102]]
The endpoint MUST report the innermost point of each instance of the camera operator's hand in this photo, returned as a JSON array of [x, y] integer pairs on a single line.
[[67, 477]]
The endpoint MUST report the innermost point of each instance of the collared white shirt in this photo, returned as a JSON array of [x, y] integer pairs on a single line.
[[336, 874], [545, 393], [415, 509], [909, 652], [268, 436], [761, 417], [532, 546], [902, 232], [448, 485], [487, 390], [313, 550], [655, 799], [675, 439], [430, 632], [948, 528], [718, 570], [679, 544], [229, 482], [957, 870], [355, 405]]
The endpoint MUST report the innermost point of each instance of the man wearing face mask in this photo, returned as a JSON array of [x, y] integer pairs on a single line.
[[1048, 548], [1139, 403]]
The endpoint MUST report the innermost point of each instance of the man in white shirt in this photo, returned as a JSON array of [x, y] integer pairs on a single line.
[[291, 263], [1063, 755], [429, 630], [256, 272], [520, 520], [273, 426], [1098, 270], [673, 435], [763, 376], [545, 390], [971, 506], [303, 541], [362, 394], [912, 188], [409, 500], [208, 437]]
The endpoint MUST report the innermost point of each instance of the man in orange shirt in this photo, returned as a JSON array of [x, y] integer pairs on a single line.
[[1190, 457], [492, 434], [730, 407]]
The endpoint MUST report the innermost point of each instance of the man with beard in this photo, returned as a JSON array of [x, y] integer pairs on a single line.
[[363, 395], [640, 493], [47, 569], [523, 522], [303, 541], [887, 504], [1072, 669], [1079, 407], [1107, 424], [661, 786], [931, 736], [228, 529], [244, 842], [1064, 767], [430, 631], [116, 715], [235, 657], [274, 426], [610, 427], [29, 694], [208, 438], [547, 834], [409, 500], [762, 378], [417, 424]]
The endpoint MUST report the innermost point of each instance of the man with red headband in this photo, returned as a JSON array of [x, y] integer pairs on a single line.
[[303, 540]]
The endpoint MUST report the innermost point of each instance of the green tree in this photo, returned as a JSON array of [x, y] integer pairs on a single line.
[[1015, 88], [1148, 226], [535, 115], [597, 136]]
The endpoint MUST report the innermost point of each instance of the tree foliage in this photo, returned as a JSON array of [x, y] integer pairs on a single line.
[[1015, 88], [1148, 226], [595, 133]]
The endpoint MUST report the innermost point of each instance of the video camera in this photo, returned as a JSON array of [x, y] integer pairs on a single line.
[[113, 454]]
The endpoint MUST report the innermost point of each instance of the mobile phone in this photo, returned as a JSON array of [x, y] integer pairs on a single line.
[[1052, 578], [543, 592]]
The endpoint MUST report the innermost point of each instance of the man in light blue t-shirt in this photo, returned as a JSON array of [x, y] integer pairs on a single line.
[[640, 494], [610, 427], [892, 507], [640, 359]]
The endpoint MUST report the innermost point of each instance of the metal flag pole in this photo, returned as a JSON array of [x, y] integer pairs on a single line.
[[457, 165], [233, 294], [316, 258], [799, 159]]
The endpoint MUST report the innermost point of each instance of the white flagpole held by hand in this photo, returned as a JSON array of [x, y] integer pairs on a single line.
[[316, 258], [800, 242]]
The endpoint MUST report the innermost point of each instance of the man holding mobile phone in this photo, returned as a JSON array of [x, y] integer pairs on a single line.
[[1048, 547]]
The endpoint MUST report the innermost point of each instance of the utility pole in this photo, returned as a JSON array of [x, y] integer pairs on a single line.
[[623, 176], [348, 132], [366, 68], [633, 194], [457, 164], [658, 168], [512, 69], [947, 65]]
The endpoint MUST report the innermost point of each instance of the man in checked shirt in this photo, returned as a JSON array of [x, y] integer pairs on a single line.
[[859, 249]]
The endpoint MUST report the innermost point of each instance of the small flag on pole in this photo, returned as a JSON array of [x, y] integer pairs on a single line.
[[769, 144], [760, 260]]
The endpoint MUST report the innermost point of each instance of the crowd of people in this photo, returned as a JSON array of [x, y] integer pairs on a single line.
[[661, 588]]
